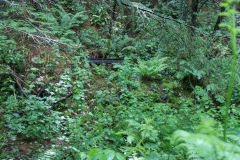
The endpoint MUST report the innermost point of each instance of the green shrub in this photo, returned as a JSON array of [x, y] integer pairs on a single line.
[[31, 118]]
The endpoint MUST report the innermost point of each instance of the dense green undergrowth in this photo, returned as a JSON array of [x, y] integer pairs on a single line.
[[165, 100]]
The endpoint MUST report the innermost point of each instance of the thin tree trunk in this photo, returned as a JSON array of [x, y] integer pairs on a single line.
[[194, 11], [113, 17], [184, 9], [155, 3]]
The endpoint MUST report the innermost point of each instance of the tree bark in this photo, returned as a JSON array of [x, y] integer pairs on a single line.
[[194, 11]]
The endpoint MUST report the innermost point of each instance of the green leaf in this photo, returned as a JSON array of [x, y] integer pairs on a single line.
[[34, 69], [130, 139], [119, 156], [110, 154]]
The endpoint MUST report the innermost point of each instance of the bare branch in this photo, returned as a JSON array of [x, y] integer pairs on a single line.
[[37, 37], [147, 10]]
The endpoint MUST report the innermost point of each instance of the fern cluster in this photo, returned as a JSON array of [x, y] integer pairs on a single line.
[[152, 68]]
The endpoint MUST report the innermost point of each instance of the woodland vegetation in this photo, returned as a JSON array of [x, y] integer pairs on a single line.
[[119, 79]]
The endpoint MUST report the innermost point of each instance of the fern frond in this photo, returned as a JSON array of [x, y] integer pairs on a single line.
[[205, 145], [151, 69]]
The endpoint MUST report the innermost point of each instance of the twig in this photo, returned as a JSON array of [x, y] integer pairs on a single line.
[[42, 89], [160, 16], [36, 37], [64, 98], [17, 79], [20, 87], [18, 83]]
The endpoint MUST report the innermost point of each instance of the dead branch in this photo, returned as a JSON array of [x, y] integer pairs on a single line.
[[63, 98]]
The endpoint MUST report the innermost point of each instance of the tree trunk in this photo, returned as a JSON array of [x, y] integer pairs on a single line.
[[194, 11], [155, 3]]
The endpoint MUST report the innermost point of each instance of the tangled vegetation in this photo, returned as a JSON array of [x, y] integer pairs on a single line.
[[119, 79]]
